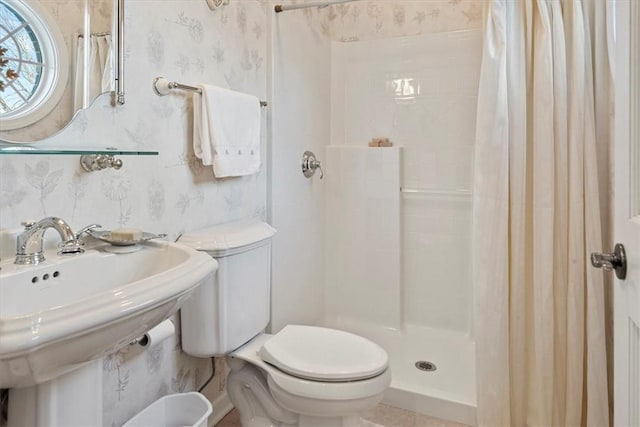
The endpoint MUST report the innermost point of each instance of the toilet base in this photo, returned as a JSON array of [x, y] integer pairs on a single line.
[[261, 403]]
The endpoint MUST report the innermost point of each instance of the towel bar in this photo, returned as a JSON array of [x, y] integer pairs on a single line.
[[162, 87]]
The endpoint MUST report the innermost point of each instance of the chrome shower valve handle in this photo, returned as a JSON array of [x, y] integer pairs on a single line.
[[310, 164]]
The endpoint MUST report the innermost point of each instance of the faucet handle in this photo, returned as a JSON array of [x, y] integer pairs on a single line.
[[28, 224], [86, 229], [72, 246]]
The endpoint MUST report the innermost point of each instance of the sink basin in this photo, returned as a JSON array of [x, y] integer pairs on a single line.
[[57, 316]]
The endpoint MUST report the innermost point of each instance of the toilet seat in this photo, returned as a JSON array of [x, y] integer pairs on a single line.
[[312, 389], [323, 354]]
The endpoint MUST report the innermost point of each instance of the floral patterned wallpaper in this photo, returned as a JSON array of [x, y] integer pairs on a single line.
[[182, 40], [377, 19], [134, 378], [373, 19]]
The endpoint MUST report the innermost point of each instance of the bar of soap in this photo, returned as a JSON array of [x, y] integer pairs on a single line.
[[125, 234]]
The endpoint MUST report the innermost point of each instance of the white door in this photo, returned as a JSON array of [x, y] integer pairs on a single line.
[[627, 214]]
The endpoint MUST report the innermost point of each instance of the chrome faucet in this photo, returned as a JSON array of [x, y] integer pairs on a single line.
[[30, 243]]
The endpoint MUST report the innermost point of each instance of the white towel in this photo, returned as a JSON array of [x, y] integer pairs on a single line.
[[226, 131]]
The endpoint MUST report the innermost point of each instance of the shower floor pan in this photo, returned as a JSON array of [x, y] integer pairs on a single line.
[[449, 391]]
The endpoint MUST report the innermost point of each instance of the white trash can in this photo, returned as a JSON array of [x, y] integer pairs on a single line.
[[174, 410]]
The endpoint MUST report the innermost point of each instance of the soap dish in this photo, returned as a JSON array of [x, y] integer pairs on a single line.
[[105, 236], [114, 249]]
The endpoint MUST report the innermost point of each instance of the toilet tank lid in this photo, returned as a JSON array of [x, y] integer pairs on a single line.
[[230, 238]]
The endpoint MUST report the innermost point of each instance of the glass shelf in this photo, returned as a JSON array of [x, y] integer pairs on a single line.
[[22, 149]]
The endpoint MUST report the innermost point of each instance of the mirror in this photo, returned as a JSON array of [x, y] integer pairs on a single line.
[[49, 68]]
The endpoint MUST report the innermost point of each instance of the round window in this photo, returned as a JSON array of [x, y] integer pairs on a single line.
[[33, 64]]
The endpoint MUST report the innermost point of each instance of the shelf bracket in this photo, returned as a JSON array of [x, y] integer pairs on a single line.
[[98, 162]]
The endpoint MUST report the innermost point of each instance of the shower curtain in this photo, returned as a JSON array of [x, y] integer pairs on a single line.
[[96, 76], [542, 119]]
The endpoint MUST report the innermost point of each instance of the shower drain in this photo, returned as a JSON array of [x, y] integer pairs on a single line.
[[423, 365]]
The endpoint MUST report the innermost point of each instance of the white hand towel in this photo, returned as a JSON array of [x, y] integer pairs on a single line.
[[226, 131]]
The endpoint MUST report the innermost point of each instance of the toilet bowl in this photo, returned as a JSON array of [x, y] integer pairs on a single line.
[[302, 375], [325, 400]]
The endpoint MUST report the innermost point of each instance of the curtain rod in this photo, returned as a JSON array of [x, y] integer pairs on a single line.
[[320, 4]]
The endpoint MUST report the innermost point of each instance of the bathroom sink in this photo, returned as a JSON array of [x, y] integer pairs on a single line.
[[56, 316]]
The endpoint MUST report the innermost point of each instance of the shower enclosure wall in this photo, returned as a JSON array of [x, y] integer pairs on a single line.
[[381, 246], [398, 220]]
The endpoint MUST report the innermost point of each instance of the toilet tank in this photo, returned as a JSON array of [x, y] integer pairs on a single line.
[[233, 305]]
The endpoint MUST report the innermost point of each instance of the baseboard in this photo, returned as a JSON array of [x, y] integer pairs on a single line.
[[221, 407]]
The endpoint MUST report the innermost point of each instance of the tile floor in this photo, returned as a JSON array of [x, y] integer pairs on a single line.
[[380, 416], [232, 419]]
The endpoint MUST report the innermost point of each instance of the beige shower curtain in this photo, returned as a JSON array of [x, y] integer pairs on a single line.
[[540, 309]]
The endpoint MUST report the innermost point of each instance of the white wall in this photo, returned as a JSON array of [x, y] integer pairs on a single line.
[[300, 121], [363, 238], [420, 91]]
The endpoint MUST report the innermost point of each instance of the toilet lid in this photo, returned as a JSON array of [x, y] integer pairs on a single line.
[[323, 354]]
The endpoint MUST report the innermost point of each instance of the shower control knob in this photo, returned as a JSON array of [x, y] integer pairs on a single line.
[[310, 164], [617, 261]]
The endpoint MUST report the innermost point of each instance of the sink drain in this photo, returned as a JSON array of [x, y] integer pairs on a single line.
[[423, 365]]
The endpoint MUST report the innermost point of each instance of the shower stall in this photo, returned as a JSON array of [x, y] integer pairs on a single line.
[[382, 246]]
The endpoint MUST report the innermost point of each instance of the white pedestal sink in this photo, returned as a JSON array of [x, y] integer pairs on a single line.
[[71, 400], [57, 316]]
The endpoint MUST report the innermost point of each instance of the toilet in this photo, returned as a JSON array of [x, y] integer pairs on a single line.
[[301, 376]]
